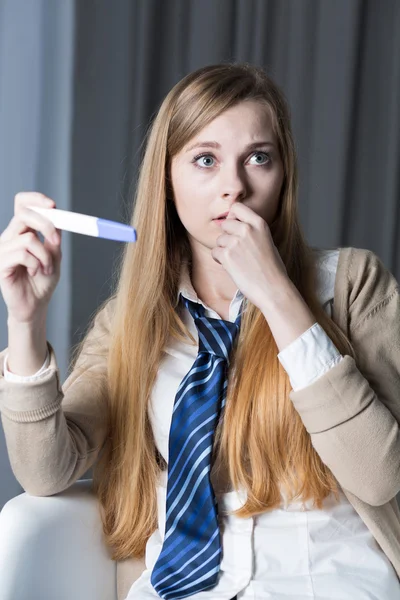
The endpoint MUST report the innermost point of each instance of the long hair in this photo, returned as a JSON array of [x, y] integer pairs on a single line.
[[260, 439]]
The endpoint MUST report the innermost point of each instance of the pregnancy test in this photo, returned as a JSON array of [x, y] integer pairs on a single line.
[[87, 225]]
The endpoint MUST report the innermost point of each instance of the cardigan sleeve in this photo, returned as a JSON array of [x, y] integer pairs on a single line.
[[8, 376], [54, 433], [352, 412]]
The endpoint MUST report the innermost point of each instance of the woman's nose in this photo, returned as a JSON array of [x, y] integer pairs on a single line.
[[233, 182]]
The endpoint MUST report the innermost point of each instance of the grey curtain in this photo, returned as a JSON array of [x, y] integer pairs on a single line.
[[338, 62], [36, 81]]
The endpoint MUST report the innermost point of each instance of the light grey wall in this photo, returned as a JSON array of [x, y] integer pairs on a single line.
[[36, 61]]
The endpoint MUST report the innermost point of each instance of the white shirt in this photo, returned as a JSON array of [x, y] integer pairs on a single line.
[[292, 552]]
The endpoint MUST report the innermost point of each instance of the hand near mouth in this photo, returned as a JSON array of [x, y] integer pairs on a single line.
[[247, 252]]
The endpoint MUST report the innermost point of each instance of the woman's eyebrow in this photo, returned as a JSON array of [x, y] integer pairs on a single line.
[[213, 144]]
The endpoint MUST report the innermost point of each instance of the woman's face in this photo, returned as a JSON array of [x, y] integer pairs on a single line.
[[235, 158]]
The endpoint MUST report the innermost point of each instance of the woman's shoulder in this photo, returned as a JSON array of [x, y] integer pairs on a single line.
[[100, 325], [105, 312], [359, 267], [371, 283], [365, 272], [360, 281]]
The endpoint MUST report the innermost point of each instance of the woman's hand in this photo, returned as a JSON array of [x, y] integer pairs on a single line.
[[29, 269], [247, 252]]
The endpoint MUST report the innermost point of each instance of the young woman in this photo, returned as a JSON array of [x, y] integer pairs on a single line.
[[239, 394]]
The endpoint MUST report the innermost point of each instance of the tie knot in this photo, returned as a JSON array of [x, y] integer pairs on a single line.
[[216, 336]]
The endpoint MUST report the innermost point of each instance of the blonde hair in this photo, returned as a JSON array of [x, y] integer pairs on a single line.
[[261, 439]]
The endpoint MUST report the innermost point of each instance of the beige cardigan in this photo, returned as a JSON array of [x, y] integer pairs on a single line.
[[352, 413]]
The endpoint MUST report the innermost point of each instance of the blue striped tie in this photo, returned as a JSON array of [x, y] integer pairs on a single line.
[[190, 557]]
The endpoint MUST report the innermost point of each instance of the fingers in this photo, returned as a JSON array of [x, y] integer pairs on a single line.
[[25, 220], [27, 250], [32, 198]]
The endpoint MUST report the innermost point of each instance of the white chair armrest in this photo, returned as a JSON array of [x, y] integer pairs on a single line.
[[52, 547]]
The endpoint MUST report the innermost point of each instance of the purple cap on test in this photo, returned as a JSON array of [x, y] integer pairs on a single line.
[[112, 230]]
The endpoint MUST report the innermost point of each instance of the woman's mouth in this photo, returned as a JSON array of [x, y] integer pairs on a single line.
[[219, 220], [221, 217]]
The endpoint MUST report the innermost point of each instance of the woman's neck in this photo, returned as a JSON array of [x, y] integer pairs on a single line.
[[212, 284]]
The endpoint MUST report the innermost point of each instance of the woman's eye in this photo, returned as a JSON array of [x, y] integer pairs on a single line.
[[265, 158], [263, 155], [201, 156]]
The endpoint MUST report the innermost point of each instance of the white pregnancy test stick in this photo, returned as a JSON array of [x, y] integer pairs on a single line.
[[78, 223]]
